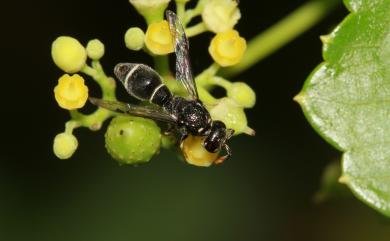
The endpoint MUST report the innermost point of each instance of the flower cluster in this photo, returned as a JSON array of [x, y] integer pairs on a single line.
[[126, 139]]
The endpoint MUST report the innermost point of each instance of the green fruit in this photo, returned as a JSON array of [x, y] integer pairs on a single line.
[[132, 140]]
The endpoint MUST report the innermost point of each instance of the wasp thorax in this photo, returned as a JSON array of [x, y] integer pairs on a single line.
[[195, 117]]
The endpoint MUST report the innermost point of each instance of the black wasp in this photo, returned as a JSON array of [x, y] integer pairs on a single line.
[[188, 116]]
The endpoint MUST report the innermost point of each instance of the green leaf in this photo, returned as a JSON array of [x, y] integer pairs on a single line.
[[347, 99]]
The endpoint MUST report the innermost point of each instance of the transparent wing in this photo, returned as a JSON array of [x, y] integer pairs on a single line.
[[150, 112], [183, 65]]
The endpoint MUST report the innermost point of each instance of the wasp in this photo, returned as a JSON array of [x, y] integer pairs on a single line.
[[187, 116]]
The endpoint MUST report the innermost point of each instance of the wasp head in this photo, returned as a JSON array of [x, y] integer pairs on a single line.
[[217, 137]]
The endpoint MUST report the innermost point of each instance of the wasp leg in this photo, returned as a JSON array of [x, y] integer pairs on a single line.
[[183, 133], [225, 157], [169, 131]]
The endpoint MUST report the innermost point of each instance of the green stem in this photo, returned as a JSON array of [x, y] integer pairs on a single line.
[[204, 78], [71, 125], [282, 33], [180, 9], [89, 71], [106, 83], [161, 64], [191, 13], [206, 97], [216, 80], [196, 29], [95, 120], [154, 14]]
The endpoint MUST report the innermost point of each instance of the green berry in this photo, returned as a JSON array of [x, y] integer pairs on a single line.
[[233, 115], [95, 49], [132, 140], [64, 145], [134, 38], [168, 141], [242, 94], [68, 54]]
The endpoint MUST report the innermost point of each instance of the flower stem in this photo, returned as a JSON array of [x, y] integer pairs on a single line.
[[206, 97], [180, 9], [95, 120], [161, 64], [191, 13], [221, 82], [106, 83], [204, 78], [71, 125], [196, 29], [282, 33]]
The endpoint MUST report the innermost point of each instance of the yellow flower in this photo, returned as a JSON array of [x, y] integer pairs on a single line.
[[158, 38], [220, 15], [227, 48], [230, 113], [71, 92], [195, 153], [68, 54]]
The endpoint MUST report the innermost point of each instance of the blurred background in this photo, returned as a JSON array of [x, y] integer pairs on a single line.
[[264, 192]]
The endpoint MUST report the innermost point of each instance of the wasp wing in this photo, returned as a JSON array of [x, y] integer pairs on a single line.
[[150, 112], [183, 64]]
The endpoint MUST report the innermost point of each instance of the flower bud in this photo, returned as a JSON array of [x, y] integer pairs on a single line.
[[231, 114], [134, 38], [242, 94], [151, 10], [195, 153], [71, 92], [95, 49], [132, 140], [220, 15], [158, 38], [227, 48], [68, 54], [64, 145]]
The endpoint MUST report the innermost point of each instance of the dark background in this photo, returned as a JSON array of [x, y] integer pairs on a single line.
[[265, 192]]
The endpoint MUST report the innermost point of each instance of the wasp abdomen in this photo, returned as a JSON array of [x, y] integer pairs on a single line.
[[161, 96], [143, 83]]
